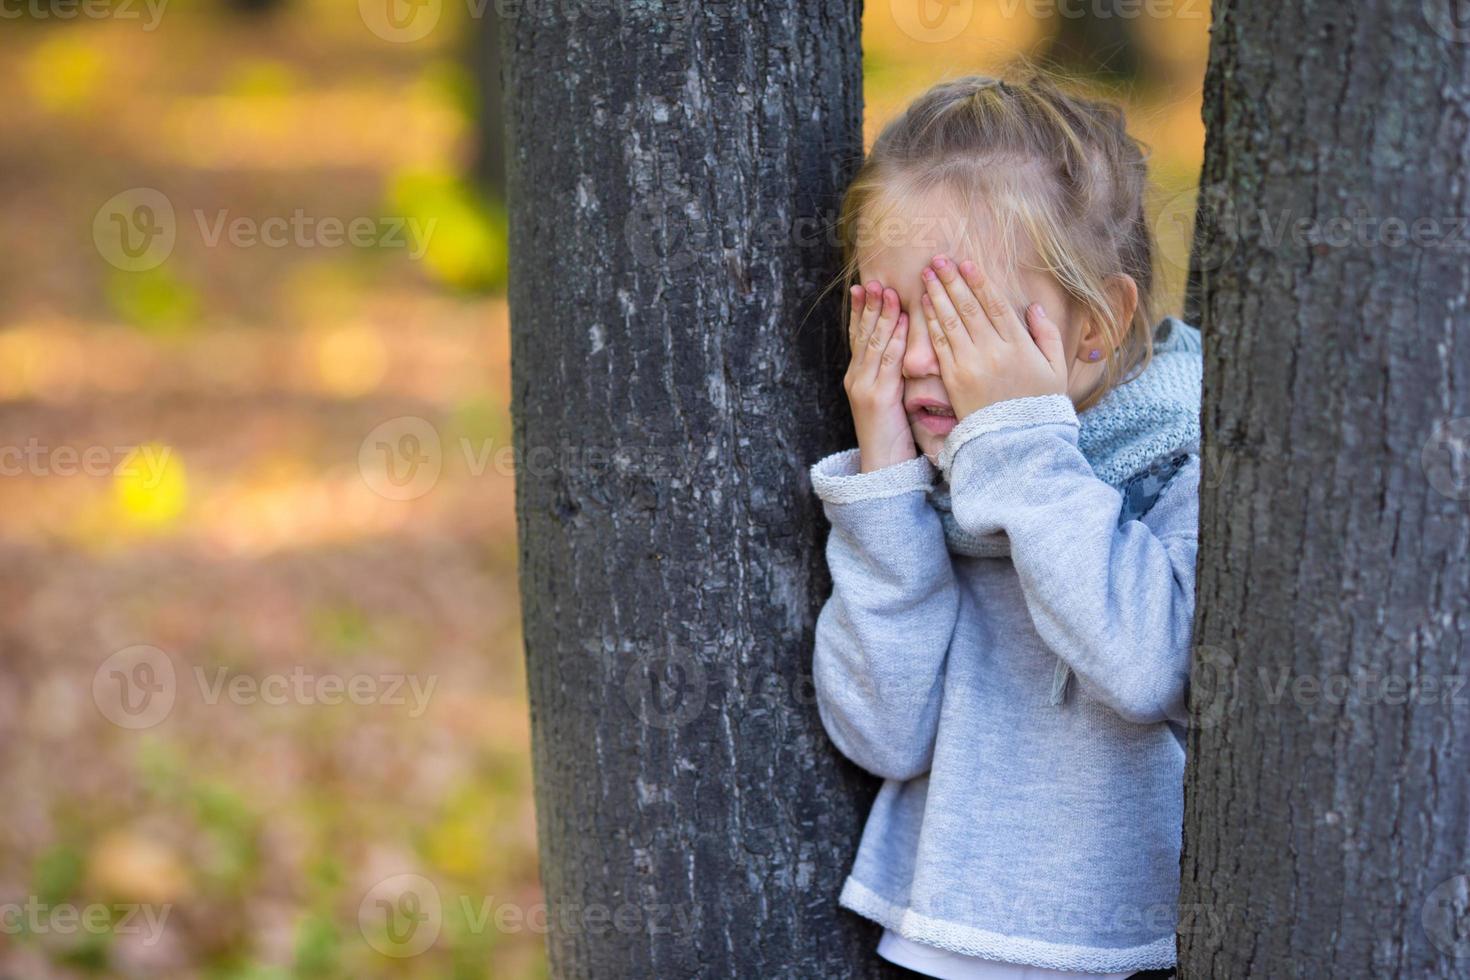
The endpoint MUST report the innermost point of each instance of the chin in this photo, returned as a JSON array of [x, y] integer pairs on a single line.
[[928, 443]]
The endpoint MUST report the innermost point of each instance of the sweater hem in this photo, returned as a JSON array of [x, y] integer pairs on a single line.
[[837, 480], [970, 941], [1013, 413]]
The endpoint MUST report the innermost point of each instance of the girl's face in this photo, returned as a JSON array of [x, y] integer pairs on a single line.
[[902, 247]]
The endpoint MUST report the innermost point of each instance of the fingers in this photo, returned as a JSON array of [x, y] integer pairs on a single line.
[[858, 299], [891, 363], [941, 307], [998, 311], [956, 286], [1048, 337], [939, 338], [879, 340], [867, 301]]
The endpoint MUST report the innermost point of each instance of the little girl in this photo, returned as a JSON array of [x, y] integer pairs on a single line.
[[1013, 542]]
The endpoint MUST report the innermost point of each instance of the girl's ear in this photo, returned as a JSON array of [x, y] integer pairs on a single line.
[[1122, 294]]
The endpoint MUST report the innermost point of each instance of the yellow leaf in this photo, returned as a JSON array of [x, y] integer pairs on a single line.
[[151, 487]]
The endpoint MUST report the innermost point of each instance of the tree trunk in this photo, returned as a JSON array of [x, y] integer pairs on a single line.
[[1096, 39], [1327, 798], [487, 160], [673, 177]]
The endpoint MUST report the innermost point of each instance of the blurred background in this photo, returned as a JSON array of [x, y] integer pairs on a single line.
[[257, 684]]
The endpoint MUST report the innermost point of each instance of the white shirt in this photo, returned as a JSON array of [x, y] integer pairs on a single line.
[[948, 965]]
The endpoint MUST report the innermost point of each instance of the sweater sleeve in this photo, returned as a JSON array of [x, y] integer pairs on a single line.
[[882, 636], [1115, 603]]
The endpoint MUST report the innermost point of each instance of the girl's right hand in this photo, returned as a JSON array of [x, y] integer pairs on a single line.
[[877, 334]]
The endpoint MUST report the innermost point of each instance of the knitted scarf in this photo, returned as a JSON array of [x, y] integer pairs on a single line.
[[1135, 438]]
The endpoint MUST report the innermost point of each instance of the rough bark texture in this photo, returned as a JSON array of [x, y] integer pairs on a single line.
[[673, 173], [1327, 800]]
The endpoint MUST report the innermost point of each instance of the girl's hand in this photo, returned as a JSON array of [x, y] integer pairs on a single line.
[[985, 353], [877, 335]]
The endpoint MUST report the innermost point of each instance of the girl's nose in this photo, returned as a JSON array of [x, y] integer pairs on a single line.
[[918, 355]]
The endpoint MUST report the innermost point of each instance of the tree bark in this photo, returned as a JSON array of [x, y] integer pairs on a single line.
[[487, 161], [1096, 39], [1327, 799], [673, 174]]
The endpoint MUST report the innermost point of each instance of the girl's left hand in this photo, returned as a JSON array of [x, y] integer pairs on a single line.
[[985, 353]]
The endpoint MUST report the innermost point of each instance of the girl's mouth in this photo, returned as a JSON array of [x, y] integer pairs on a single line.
[[936, 419]]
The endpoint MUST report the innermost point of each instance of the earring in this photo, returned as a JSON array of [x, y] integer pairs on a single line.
[[1093, 355]]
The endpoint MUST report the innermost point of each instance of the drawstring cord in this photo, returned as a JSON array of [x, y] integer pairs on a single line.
[[1059, 679]]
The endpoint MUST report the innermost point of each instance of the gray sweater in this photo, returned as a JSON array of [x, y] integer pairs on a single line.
[[1012, 824]]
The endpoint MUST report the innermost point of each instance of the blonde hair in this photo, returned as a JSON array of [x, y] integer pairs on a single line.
[[1049, 169]]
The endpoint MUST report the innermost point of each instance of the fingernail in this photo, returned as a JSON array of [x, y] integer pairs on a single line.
[[928, 273], [940, 262], [1036, 310], [967, 267]]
